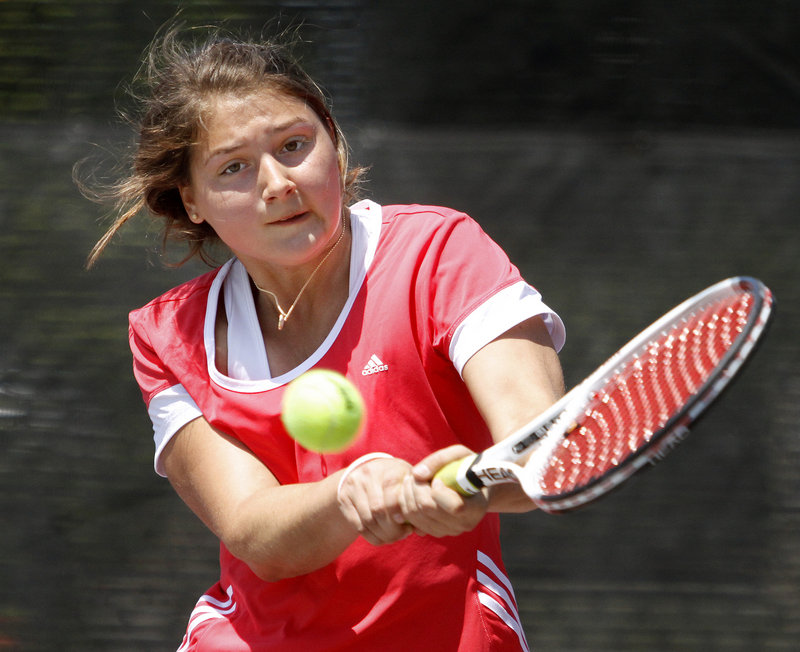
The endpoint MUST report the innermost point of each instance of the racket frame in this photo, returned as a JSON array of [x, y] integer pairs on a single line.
[[501, 463]]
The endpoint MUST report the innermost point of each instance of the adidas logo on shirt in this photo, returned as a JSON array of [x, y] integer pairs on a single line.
[[374, 366]]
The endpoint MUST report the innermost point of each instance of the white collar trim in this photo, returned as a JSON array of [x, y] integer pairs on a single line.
[[248, 365]]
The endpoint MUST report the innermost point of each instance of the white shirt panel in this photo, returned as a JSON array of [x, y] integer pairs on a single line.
[[507, 308], [169, 411]]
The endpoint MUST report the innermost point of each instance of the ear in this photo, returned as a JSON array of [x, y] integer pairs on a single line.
[[187, 196]]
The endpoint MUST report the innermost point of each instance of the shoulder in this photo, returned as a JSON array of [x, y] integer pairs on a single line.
[[190, 296], [437, 230], [428, 224], [408, 215], [422, 214]]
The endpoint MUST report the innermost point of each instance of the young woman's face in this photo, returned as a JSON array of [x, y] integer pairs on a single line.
[[265, 176]]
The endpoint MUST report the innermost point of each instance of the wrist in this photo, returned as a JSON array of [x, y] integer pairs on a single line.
[[355, 464]]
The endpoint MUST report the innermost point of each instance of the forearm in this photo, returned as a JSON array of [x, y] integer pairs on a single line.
[[278, 530], [509, 498], [289, 530]]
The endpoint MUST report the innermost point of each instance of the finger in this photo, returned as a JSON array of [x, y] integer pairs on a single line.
[[369, 499], [447, 499], [467, 512], [382, 523], [444, 512], [376, 508], [383, 538], [424, 513], [425, 469], [412, 503], [356, 506]]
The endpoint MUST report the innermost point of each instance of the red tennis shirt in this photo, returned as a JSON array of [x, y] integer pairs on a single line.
[[428, 288]]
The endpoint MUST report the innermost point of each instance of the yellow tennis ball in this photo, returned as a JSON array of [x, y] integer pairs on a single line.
[[322, 411]]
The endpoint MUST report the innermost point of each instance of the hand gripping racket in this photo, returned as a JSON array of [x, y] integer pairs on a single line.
[[634, 409]]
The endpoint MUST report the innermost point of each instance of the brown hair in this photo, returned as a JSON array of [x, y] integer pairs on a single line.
[[179, 78]]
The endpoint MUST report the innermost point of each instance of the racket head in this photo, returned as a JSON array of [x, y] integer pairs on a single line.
[[639, 405]]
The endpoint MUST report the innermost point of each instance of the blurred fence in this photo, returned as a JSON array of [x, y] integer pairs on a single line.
[[587, 141]]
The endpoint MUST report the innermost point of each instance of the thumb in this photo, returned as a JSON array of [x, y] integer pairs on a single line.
[[426, 468]]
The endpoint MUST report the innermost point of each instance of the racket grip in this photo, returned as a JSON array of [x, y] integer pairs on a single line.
[[454, 475]]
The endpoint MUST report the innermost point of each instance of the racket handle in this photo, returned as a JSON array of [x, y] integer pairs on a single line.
[[455, 476]]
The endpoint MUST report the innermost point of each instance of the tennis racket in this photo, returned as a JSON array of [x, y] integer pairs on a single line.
[[633, 410]]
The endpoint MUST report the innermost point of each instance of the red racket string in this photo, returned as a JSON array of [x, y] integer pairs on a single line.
[[645, 392]]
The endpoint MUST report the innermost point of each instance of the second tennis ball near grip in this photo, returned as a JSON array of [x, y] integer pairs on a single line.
[[323, 411]]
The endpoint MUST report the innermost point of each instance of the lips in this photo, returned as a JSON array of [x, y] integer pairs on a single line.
[[289, 219]]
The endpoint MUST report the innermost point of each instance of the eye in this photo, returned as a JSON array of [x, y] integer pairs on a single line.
[[233, 168], [294, 145]]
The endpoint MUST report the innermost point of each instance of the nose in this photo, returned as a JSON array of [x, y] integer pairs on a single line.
[[274, 178]]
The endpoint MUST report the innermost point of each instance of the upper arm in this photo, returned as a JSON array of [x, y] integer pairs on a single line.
[[512, 380], [515, 377], [214, 474]]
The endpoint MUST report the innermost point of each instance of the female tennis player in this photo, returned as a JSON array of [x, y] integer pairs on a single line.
[[450, 348]]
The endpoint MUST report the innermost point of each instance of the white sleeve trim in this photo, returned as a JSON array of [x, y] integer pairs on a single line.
[[170, 410], [507, 308]]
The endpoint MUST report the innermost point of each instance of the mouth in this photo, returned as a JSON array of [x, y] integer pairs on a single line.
[[291, 219]]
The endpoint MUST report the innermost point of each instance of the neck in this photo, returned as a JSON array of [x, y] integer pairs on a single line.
[[322, 278]]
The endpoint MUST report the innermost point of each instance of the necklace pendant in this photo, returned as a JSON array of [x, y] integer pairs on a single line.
[[281, 322]]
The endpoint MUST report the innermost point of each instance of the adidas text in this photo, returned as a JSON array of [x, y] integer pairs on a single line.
[[374, 366]]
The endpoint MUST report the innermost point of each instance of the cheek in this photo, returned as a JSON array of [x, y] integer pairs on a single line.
[[220, 201], [333, 183], [327, 165]]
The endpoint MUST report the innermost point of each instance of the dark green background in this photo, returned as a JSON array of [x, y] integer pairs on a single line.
[[626, 155]]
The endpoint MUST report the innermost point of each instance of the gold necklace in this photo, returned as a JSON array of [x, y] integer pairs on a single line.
[[283, 316]]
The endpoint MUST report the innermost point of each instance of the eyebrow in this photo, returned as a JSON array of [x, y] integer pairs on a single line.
[[283, 126]]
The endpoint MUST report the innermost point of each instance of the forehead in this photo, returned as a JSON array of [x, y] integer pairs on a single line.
[[227, 113]]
